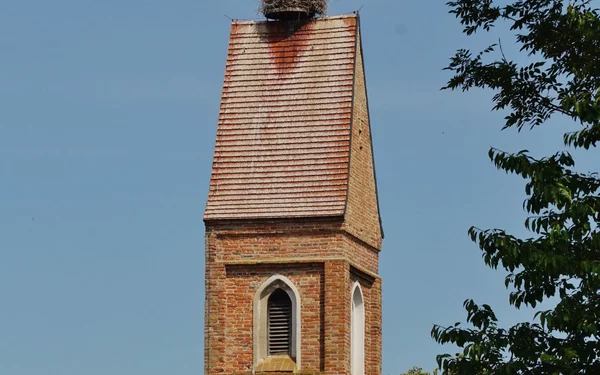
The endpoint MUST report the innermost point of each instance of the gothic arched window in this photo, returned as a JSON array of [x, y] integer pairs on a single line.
[[357, 331], [277, 323]]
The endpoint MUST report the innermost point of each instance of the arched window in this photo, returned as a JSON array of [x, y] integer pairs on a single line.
[[357, 331], [277, 324]]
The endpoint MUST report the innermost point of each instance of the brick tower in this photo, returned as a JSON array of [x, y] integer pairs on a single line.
[[293, 231]]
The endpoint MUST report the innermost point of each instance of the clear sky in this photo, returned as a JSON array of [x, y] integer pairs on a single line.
[[108, 113]]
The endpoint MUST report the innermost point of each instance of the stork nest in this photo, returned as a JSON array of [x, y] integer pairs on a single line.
[[312, 7]]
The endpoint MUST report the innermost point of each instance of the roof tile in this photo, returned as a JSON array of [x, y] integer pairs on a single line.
[[283, 137]]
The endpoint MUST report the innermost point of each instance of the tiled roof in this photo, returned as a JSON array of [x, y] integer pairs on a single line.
[[283, 138]]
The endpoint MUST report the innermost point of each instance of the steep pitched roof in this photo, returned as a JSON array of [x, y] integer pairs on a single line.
[[284, 132]]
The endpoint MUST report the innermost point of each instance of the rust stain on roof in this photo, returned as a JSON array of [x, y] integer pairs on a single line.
[[287, 41], [283, 137]]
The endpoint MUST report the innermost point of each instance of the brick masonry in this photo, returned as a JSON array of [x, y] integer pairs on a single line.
[[362, 210], [323, 258]]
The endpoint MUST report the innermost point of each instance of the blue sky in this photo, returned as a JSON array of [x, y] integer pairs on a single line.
[[107, 123]]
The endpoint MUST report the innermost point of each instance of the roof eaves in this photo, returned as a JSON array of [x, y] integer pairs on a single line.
[[276, 218]]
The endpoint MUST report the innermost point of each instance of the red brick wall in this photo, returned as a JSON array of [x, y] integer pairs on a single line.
[[360, 253], [362, 212], [371, 288], [337, 318], [263, 240], [317, 256], [240, 287]]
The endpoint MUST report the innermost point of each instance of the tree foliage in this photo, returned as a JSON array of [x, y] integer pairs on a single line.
[[419, 371], [562, 257]]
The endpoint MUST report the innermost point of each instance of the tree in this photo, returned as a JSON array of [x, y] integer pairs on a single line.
[[562, 257], [419, 371]]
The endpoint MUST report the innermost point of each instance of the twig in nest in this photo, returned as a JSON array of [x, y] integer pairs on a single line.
[[308, 6]]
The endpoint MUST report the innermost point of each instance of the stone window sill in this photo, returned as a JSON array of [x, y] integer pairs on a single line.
[[277, 364]]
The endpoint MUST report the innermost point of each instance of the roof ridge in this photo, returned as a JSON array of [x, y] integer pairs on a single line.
[[322, 18]]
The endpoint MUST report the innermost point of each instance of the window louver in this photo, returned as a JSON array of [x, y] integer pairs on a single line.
[[280, 323]]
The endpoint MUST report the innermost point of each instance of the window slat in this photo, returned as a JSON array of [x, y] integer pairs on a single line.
[[279, 323]]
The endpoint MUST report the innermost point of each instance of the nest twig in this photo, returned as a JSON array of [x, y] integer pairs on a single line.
[[315, 7]]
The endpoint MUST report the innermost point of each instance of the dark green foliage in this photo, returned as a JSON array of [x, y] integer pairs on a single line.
[[562, 258]]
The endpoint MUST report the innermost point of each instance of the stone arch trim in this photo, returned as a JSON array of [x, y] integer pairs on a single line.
[[261, 297]]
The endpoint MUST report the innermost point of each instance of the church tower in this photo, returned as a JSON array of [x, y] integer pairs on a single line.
[[293, 231]]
